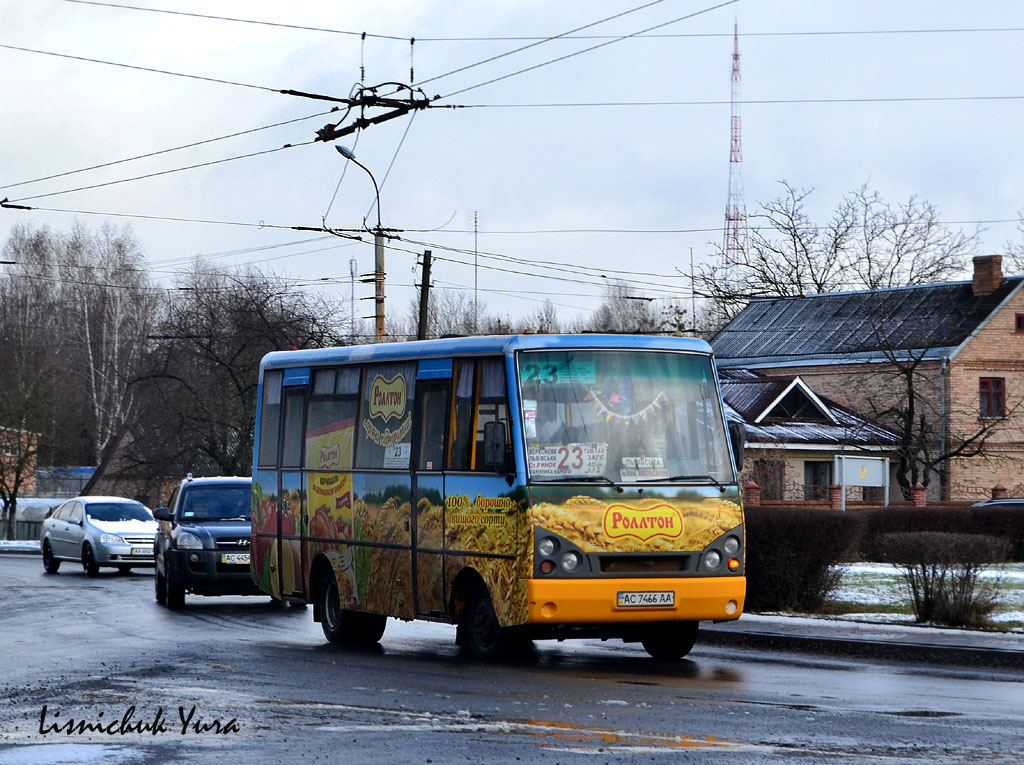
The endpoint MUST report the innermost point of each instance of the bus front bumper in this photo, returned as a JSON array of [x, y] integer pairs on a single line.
[[598, 601]]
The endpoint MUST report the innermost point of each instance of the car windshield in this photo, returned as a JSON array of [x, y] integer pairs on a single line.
[[117, 511], [216, 503], [627, 416]]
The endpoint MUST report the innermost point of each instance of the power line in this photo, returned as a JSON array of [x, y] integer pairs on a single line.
[[540, 42], [164, 172], [168, 151], [747, 102], [151, 70], [238, 20], [592, 48], [526, 38]]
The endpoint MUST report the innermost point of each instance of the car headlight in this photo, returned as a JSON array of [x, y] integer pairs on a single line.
[[547, 546], [189, 541], [712, 559], [112, 539], [570, 561]]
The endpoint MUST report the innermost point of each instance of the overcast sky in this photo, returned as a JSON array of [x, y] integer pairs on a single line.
[[912, 98]]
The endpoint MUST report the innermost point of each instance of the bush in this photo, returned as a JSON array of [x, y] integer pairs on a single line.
[[794, 556], [940, 570]]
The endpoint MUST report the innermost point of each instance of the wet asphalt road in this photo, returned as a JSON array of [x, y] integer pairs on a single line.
[[100, 650]]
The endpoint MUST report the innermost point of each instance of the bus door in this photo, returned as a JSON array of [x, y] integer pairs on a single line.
[[289, 560], [433, 396]]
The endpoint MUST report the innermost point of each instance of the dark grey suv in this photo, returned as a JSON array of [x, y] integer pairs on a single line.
[[203, 543]]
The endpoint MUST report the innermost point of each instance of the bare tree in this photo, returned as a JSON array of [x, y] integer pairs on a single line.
[[109, 305], [31, 349], [200, 383], [867, 243], [622, 310]]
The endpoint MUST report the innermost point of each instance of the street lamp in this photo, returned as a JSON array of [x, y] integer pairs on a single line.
[[378, 247]]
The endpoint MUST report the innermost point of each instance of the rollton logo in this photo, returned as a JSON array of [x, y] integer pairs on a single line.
[[387, 397], [646, 523], [330, 456]]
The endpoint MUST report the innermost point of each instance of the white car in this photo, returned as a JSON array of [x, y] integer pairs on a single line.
[[99, 531]]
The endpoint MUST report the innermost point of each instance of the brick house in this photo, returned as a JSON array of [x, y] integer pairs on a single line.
[[961, 342], [793, 435]]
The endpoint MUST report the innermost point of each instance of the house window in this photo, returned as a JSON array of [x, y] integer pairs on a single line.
[[769, 475], [817, 479], [992, 396], [1019, 323]]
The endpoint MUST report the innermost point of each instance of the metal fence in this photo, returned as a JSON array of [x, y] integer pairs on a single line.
[[23, 530]]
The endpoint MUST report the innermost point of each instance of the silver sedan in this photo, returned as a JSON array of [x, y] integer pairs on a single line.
[[99, 531]]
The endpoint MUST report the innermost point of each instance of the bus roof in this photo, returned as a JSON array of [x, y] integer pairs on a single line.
[[470, 346]]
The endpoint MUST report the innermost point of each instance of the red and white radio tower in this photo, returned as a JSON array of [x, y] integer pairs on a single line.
[[734, 248]]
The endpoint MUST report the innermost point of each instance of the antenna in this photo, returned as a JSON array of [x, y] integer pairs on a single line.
[[734, 248]]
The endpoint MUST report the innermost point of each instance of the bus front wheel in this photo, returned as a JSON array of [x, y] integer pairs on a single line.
[[671, 641], [481, 631], [342, 626]]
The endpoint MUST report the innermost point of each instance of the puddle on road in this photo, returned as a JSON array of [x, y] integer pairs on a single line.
[[71, 754], [555, 735]]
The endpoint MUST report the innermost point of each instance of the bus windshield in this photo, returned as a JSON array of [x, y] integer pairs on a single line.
[[622, 416]]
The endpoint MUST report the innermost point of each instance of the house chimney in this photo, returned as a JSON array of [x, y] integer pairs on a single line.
[[988, 274]]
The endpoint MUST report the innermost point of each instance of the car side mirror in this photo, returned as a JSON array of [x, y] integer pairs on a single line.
[[75, 521], [738, 438], [163, 514], [495, 444]]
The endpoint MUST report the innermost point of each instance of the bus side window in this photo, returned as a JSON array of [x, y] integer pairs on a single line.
[[294, 404], [492, 406], [270, 419], [330, 420], [461, 433]]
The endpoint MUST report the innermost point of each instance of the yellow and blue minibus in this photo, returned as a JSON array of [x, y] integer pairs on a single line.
[[520, 487]]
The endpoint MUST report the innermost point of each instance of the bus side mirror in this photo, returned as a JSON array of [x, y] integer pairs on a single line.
[[738, 438], [495, 444]]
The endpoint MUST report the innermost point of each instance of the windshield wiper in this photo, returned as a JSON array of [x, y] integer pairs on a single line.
[[585, 479], [233, 518], [682, 478]]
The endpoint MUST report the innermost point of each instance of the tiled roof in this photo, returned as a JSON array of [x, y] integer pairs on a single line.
[[865, 324]]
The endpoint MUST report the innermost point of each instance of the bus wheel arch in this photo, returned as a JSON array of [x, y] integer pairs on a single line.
[[320, 569], [479, 630]]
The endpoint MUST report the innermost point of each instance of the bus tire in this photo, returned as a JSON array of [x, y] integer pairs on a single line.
[[482, 632], [342, 626], [671, 641]]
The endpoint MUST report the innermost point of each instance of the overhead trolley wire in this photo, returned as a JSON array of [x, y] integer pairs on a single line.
[[591, 48], [525, 38], [167, 151], [163, 172]]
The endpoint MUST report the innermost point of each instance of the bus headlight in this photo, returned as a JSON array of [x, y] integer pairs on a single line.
[[731, 545], [712, 559], [547, 546], [570, 561]]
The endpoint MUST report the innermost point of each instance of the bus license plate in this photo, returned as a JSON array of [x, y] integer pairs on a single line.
[[645, 599], [138, 551], [239, 558]]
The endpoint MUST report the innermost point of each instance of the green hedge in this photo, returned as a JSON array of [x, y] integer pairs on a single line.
[[1004, 523], [793, 554]]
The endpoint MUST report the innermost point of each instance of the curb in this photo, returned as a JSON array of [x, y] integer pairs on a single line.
[[930, 653]]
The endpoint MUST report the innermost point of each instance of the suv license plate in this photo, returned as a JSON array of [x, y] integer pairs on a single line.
[[138, 551], [239, 558], [645, 599]]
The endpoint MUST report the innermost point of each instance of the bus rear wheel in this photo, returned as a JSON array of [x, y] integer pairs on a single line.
[[671, 641], [342, 626]]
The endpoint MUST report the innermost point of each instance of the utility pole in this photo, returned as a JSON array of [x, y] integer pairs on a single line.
[[378, 282], [421, 332], [476, 299], [352, 297]]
